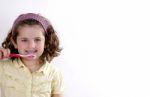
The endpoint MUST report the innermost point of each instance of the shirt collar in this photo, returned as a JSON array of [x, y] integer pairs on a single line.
[[43, 69]]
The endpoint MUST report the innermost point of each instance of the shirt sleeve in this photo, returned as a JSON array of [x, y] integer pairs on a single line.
[[58, 83]]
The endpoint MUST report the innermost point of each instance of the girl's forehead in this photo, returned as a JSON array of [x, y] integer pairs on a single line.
[[32, 30]]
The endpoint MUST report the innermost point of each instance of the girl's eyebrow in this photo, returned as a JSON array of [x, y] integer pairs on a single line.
[[37, 37], [28, 38], [23, 38]]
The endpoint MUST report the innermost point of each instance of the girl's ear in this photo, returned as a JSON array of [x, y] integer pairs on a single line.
[[13, 42]]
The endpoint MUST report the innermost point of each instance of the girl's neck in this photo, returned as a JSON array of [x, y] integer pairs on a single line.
[[32, 65]]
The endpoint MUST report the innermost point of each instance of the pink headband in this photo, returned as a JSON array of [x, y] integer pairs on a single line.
[[44, 22]]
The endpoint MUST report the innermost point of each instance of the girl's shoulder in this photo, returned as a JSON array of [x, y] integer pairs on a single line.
[[52, 69], [5, 65], [8, 64], [5, 62]]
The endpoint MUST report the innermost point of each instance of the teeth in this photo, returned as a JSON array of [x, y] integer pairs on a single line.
[[31, 52]]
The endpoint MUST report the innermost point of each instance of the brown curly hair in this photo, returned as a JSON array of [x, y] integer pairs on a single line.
[[51, 49]]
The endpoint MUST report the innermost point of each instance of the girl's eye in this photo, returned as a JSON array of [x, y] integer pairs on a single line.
[[24, 40], [37, 40]]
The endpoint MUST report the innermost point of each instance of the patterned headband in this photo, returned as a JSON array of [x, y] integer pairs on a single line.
[[44, 22]]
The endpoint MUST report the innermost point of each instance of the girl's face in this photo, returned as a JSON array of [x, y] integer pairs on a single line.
[[30, 40]]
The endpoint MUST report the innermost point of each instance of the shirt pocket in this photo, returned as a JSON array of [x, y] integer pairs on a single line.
[[12, 87], [43, 87], [12, 82]]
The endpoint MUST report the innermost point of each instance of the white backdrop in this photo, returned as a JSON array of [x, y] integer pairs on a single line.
[[106, 43]]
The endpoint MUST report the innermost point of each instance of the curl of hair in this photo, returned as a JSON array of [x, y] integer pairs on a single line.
[[52, 48]]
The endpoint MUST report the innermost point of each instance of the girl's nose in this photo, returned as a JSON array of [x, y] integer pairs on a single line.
[[31, 44]]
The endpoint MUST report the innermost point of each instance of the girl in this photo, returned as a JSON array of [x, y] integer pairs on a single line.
[[29, 48]]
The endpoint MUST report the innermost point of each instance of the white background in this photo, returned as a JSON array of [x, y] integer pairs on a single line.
[[106, 43]]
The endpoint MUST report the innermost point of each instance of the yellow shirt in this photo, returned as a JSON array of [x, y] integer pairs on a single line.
[[17, 81]]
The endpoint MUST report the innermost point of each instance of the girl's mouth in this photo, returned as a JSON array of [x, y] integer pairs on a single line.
[[30, 53]]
